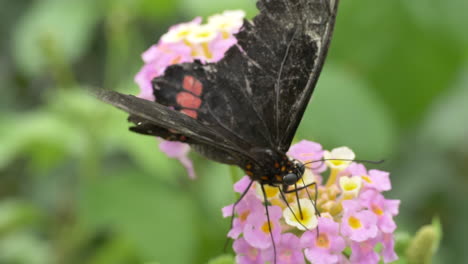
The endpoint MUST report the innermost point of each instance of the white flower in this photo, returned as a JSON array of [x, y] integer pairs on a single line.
[[228, 21], [350, 186], [339, 158], [308, 219], [202, 34], [179, 32]]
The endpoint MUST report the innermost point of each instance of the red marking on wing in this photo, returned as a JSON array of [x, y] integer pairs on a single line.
[[193, 85], [187, 100], [193, 114]]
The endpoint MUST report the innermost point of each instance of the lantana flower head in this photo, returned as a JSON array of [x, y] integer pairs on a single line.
[[353, 215], [187, 42]]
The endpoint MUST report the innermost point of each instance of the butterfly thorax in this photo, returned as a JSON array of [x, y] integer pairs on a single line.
[[273, 172]]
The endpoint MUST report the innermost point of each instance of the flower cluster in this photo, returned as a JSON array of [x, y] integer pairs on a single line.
[[187, 42], [354, 222]]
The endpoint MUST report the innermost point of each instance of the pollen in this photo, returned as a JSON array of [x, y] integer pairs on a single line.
[[354, 222]]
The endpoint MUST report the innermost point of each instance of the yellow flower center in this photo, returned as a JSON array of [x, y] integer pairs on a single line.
[[351, 185], [377, 210], [271, 191], [367, 179], [338, 162], [183, 33], [266, 228], [322, 241], [354, 222], [204, 34], [244, 215]]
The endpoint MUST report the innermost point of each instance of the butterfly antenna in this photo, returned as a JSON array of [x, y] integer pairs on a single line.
[[376, 162], [269, 223], [244, 193]]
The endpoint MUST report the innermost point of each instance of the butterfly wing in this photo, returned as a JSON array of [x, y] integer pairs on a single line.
[[256, 95], [156, 116]]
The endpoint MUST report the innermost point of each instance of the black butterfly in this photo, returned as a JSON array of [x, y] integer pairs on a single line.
[[245, 109]]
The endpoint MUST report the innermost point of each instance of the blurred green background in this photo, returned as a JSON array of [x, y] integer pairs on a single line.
[[77, 187]]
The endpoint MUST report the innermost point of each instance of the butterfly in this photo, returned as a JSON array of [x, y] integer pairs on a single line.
[[244, 110]]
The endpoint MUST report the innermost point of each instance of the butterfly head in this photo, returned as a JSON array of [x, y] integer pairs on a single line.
[[295, 174]]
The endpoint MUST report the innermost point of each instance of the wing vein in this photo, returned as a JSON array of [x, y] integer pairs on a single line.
[[277, 87]]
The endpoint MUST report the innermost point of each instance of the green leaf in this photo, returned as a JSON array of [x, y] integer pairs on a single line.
[[224, 259], [210, 7], [155, 218], [15, 214], [406, 65], [53, 26], [24, 248], [443, 126], [344, 111]]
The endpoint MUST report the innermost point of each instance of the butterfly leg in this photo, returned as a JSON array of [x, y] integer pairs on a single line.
[[269, 223], [234, 210]]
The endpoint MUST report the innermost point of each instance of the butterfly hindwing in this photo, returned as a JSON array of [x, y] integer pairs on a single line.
[[162, 117]]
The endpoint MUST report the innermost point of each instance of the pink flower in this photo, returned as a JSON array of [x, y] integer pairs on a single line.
[[378, 180], [220, 45], [246, 254], [256, 231], [358, 225], [244, 208], [179, 151], [307, 151], [157, 58], [388, 251], [289, 251], [382, 208], [326, 247], [364, 252], [242, 184], [356, 169]]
